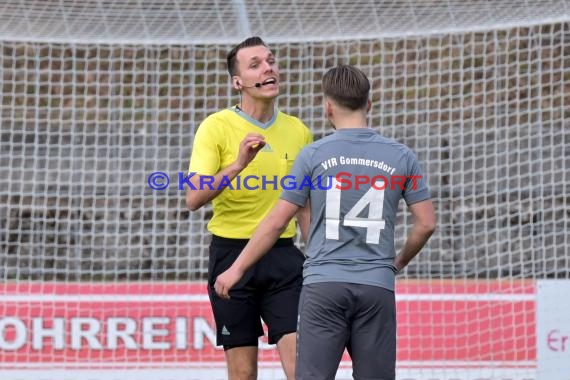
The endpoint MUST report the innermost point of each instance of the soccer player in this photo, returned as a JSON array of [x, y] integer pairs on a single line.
[[354, 180], [252, 145]]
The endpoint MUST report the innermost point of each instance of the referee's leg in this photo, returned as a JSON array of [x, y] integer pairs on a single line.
[[280, 274], [238, 326], [242, 363], [287, 347]]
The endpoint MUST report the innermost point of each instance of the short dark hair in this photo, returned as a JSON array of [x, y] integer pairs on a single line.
[[347, 86], [232, 55]]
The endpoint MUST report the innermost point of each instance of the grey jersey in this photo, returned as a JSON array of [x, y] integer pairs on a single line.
[[354, 179]]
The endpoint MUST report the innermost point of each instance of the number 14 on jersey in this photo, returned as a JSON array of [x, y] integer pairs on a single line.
[[374, 224]]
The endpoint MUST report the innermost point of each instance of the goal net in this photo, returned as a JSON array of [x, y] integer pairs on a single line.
[[100, 272]]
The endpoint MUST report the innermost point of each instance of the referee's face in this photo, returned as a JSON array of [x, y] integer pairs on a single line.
[[258, 71]]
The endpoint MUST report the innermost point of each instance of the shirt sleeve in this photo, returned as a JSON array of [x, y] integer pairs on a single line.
[[416, 189], [296, 186], [309, 136], [205, 155]]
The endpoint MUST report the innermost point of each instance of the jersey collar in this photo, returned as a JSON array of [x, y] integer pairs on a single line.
[[257, 123]]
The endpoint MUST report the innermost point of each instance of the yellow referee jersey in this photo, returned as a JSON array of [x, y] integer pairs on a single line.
[[240, 207]]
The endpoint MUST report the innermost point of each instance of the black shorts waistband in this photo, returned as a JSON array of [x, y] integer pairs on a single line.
[[240, 243]]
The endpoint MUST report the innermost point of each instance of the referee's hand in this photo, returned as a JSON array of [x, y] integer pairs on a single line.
[[248, 148], [226, 281]]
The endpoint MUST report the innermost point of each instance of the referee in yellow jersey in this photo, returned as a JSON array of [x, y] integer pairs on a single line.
[[239, 157]]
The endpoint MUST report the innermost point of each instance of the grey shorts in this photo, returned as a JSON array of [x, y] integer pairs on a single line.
[[336, 315]]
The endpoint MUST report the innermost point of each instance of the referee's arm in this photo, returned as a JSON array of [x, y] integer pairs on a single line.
[[201, 194], [204, 191]]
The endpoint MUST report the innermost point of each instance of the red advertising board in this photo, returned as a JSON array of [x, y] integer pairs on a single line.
[[441, 324]]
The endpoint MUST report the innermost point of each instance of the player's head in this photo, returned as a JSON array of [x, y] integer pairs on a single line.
[[252, 66], [347, 87]]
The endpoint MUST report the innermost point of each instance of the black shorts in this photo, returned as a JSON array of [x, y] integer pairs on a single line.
[[269, 290]]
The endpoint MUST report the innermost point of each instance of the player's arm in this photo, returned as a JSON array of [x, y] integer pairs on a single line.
[[304, 220], [422, 228], [262, 240], [203, 190]]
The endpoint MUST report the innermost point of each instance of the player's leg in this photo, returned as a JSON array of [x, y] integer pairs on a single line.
[[372, 343], [238, 325], [324, 315], [280, 275]]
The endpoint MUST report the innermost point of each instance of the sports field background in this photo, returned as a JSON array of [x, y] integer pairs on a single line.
[[83, 125]]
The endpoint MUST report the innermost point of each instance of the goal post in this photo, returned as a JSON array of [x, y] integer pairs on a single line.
[[102, 266]]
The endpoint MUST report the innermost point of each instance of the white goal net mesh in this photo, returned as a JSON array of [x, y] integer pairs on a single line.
[[98, 95]]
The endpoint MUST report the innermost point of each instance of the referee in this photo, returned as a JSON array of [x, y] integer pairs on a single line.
[[253, 139]]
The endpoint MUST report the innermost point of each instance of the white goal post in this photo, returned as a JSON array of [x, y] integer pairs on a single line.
[[98, 271]]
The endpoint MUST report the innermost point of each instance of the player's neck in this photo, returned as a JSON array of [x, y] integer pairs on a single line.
[[350, 122], [259, 110]]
